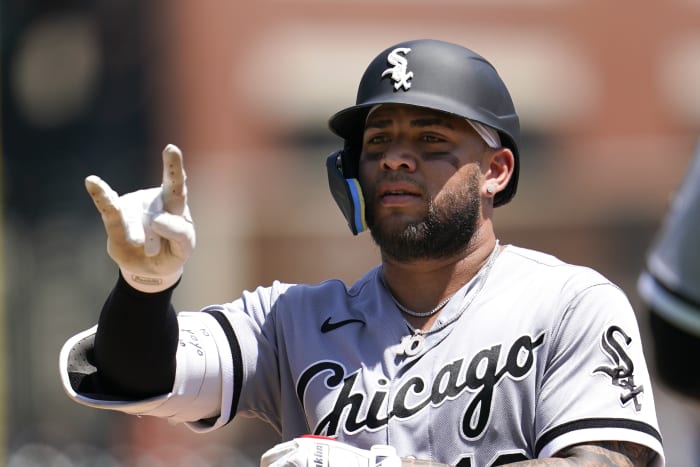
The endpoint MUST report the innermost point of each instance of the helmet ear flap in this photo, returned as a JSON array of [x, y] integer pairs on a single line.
[[350, 158], [346, 190]]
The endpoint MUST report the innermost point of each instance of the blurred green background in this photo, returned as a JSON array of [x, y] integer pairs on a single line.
[[609, 102]]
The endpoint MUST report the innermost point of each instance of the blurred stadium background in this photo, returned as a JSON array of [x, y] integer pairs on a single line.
[[609, 99]]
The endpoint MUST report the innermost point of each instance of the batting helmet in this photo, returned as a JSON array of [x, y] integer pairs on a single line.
[[426, 73]]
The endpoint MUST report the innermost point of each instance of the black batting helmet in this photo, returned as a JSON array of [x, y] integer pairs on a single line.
[[427, 73]]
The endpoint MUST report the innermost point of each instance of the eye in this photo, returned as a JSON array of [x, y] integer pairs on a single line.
[[432, 138], [376, 139]]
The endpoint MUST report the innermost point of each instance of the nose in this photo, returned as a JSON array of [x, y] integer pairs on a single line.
[[398, 157]]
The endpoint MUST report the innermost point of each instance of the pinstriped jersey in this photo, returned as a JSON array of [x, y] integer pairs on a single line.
[[531, 356]]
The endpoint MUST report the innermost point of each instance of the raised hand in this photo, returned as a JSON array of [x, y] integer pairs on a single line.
[[150, 232]]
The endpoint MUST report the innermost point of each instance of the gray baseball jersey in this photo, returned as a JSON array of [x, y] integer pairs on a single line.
[[529, 357]]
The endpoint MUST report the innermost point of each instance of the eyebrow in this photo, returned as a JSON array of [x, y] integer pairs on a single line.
[[431, 121], [375, 123], [416, 123]]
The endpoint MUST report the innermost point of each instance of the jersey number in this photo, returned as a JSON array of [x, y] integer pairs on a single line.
[[501, 460]]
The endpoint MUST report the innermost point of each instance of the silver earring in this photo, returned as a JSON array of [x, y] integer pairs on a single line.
[[490, 189]]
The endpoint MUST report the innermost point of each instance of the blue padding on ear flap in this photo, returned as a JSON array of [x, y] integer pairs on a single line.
[[347, 193], [358, 202]]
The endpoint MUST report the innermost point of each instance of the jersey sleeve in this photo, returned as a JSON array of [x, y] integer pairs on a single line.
[[252, 335], [226, 354], [596, 384], [202, 375]]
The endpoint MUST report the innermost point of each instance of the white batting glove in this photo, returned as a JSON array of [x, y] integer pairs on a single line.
[[150, 232], [326, 452]]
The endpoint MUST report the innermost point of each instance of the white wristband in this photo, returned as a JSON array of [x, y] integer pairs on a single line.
[[151, 284]]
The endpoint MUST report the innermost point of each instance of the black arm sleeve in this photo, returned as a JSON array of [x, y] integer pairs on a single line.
[[136, 342]]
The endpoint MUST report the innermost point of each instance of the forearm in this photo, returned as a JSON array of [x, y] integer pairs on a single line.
[[602, 454], [405, 462], [136, 342]]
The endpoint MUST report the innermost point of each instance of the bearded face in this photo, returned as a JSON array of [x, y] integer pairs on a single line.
[[445, 228], [421, 176]]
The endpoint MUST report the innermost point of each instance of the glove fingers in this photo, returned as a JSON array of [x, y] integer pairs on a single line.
[[106, 202], [151, 245], [293, 459], [174, 187], [178, 230], [133, 218], [281, 455]]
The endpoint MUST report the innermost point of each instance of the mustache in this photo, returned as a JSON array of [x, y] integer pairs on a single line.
[[399, 177]]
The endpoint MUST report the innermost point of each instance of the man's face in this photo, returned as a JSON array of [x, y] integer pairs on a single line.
[[420, 176]]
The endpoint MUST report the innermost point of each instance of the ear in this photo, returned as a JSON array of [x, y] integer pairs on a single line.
[[497, 166]]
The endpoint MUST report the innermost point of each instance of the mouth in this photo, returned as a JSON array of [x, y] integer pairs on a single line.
[[398, 194]]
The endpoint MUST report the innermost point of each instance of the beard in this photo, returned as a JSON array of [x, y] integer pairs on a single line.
[[445, 230]]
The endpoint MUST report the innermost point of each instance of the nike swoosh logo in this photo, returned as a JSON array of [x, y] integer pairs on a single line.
[[327, 326]]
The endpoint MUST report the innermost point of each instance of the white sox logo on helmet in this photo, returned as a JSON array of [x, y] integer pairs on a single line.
[[399, 72]]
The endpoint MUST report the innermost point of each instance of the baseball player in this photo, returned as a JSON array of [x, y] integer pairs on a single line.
[[670, 287], [455, 349]]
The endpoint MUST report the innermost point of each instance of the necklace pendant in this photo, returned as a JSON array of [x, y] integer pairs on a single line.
[[412, 345]]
